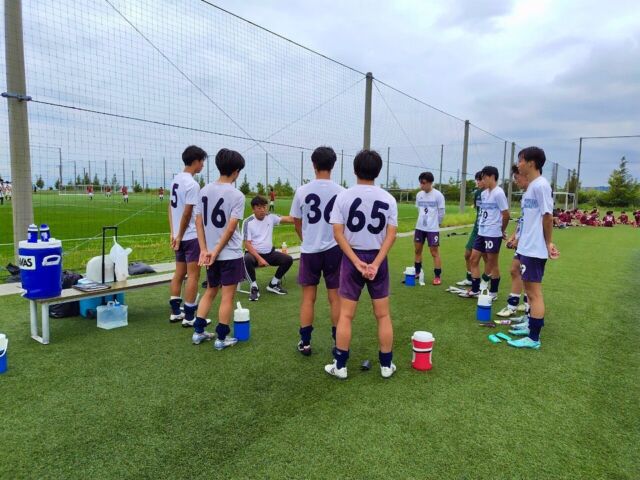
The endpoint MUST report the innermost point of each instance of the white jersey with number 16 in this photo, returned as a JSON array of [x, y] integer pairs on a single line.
[[365, 211]]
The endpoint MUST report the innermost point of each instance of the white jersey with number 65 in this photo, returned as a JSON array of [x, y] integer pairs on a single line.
[[217, 205], [365, 211]]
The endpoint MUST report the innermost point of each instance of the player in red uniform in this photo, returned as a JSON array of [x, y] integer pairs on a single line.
[[624, 218], [90, 191], [609, 220], [125, 193], [636, 216], [161, 193]]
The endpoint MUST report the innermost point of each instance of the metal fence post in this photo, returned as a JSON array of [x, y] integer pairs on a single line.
[[441, 157], [143, 182], [366, 142], [164, 170], [341, 167], [465, 152], [266, 166], [388, 157], [513, 152], [504, 162], [301, 168]]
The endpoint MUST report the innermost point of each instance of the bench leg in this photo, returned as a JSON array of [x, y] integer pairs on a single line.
[[33, 313], [45, 323]]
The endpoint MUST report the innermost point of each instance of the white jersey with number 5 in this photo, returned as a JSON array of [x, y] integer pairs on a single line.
[[184, 191], [218, 204], [430, 210], [365, 211], [536, 202], [313, 203], [492, 204]]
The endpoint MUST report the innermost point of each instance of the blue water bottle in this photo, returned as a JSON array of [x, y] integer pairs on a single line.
[[32, 234], [45, 235]]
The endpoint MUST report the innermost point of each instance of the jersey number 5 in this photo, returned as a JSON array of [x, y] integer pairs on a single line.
[[218, 218], [174, 196], [357, 220]]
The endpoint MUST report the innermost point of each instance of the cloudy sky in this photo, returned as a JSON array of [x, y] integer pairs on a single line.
[[123, 85], [533, 71]]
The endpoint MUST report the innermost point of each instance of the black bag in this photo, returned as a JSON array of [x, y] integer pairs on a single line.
[[14, 274], [71, 309], [139, 268]]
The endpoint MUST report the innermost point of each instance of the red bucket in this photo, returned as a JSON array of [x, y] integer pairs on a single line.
[[422, 347]]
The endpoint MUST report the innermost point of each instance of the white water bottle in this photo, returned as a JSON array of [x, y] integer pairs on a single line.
[[421, 277], [283, 249]]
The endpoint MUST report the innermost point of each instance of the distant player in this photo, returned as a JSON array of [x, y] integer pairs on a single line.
[[609, 220], [365, 221], [161, 193], [257, 233], [107, 191], [125, 194], [184, 238], [1, 192], [320, 254], [272, 200], [535, 245], [90, 191], [430, 204], [513, 302], [220, 208], [494, 219], [624, 218], [636, 217]]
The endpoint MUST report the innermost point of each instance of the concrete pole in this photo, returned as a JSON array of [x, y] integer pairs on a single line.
[[554, 177], [341, 166], [510, 186], [366, 142], [465, 152], [441, 157], [143, 183], [388, 158], [106, 173], [60, 163], [301, 168], [124, 177], [266, 165], [504, 161], [75, 173], [164, 170], [578, 173], [90, 177]]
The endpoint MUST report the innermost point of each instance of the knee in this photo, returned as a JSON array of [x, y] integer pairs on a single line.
[[288, 261]]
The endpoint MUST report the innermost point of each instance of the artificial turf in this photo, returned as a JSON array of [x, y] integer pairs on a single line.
[[142, 402]]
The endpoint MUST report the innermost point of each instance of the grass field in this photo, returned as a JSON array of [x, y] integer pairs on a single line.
[[142, 402], [142, 223]]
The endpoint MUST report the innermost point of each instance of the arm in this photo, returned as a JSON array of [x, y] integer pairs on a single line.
[[288, 219], [170, 225], [202, 241], [297, 222], [224, 239], [441, 210], [547, 229], [184, 223], [252, 250], [372, 270], [338, 233], [505, 222]]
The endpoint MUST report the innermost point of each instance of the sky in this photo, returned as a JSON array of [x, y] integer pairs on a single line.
[[122, 86]]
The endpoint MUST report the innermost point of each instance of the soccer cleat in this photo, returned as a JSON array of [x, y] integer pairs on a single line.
[[176, 318], [521, 332], [469, 294], [189, 323], [525, 342], [304, 349], [386, 372], [421, 279], [254, 294], [436, 281], [522, 307], [227, 342], [464, 283], [198, 338], [276, 288], [339, 373], [506, 312], [494, 296]]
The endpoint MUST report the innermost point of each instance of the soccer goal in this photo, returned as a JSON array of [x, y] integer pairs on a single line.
[[564, 200], [80, 189], [402, 195]]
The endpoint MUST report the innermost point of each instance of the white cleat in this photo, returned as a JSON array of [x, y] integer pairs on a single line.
[[198, 338], [506, 312], [464, 283], [176, 318], [227, 342], [340, 373], [522, 307], [386, 372], [189, 323]]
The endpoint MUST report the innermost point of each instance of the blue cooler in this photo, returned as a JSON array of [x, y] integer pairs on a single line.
[[41, 268], [4, 343], [483, 310]]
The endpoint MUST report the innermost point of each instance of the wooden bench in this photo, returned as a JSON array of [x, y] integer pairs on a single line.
[[73, 295]]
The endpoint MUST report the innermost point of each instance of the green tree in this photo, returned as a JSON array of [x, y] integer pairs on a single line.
[[286, 190], [623, 188], [200, 180], [244, 186], [278, 187], [260, 188], [572, 182], [57, 185], [96, 180], [40, 182], [394, 185], [137, 187], [78, 180], [86, 180]]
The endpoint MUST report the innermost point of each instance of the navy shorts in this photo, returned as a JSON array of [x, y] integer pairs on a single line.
[[352, 282], [487, 244], [432, 238], [314, 265], [532, 268], [189, 251], [225, 272]]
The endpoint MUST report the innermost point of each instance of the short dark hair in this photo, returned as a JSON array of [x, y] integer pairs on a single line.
[[426, 176], [192, 154], [228, 161], [258, 200], [323, 159], [478, 175], [533, 154], [515, 170], [367, 164], [622, 212], [490, 171]]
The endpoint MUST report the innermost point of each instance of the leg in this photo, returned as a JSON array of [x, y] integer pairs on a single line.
[[516, 279], [474, 263], [250, 264], [193, 277], [343, 331], [225, 311], [178, 277], [307, 305], [282, 261], [204, 307], [418, 246], [334, 304], [33, 313], [385, 327]]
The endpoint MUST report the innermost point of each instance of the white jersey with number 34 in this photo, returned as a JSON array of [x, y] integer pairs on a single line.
[[365, 211], [217, 205]]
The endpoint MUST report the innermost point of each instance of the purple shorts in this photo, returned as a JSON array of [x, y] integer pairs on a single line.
[[327, 263], [352, 282], [532, 268], [225, 272], [432, 238], [487, 244], [189, 251]]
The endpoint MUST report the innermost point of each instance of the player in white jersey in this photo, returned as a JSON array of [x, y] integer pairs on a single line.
[[218, 213], [494, 219], [257, 233], [184, 239], [365, 222], [320, 254], [535, 245], [430, 204], [513, 302]]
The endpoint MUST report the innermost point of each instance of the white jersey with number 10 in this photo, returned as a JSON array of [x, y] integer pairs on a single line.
[[365, 211], [218, 204]]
